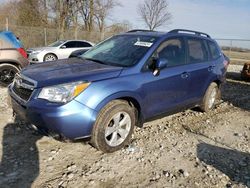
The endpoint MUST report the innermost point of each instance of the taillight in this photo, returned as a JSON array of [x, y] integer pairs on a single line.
[[226, 63], [22, 52]]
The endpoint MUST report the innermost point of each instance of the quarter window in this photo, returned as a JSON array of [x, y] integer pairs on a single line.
[[215, 53], [197, 51], [82, 44]]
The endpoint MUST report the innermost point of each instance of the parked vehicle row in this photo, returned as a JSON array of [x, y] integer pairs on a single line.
[[121, 83], [13, 56]]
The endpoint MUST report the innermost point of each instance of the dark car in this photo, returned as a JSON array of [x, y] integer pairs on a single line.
[[13, 57], [121, 83]]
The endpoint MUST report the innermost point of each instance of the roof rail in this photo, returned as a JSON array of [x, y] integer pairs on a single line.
[[189, 31], [139, 30]]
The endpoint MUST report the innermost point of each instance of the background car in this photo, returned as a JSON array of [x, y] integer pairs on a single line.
[[58, 50], [13, 57]]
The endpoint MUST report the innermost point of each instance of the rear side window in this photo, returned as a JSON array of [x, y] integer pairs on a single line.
[[215, 52], [197, 51], [71, 44], [83, 44], [172, 50]]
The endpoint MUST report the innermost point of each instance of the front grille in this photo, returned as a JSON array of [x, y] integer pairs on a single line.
[[23, 87], [23, 93]]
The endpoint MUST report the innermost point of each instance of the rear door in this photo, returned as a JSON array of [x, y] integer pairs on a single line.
[[201, 68], [83, 45], [168, 91]]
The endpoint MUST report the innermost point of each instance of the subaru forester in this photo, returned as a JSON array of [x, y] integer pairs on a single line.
[[121, 83]]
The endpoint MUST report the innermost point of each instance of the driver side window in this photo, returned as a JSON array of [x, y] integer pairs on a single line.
[[173, 50]]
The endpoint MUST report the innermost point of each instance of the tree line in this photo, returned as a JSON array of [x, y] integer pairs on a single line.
[[89, 15]]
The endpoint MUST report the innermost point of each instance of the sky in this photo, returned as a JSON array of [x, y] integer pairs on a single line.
[[228, 19], [219, 18]]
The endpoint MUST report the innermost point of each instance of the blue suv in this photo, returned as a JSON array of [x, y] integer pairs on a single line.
[[120, 83]]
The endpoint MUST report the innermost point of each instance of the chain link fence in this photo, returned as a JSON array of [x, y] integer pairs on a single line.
[[238, 50], [38, 36]]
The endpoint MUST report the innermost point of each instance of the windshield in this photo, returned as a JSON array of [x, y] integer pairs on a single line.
[[57, 43], [121, 50]]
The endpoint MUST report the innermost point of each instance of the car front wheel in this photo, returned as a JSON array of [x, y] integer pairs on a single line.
[[50, 57], [114, 126]]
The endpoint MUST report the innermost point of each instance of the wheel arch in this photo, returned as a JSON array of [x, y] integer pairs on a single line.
[[218, 82], [15, 63], [133, 100]]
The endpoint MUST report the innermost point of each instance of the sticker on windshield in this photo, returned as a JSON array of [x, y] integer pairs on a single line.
[[144, 44]]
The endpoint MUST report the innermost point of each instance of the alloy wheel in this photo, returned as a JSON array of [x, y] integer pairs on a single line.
[[118, 129]]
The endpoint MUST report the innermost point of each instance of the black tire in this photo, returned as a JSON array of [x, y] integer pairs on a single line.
[[50, 57], [208, 103], [105, 120], [7, 73]]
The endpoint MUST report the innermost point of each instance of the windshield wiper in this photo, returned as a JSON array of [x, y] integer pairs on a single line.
[[105, 63], [96, 60]]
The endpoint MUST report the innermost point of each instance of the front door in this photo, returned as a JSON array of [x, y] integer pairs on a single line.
[[168, 91]]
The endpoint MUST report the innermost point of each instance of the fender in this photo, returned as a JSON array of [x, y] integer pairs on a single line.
[[119, 95], [125, 95]]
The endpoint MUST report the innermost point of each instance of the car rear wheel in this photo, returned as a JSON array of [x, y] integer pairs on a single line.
[[114, 126], [211, 96], [7, 74], [50, 57]]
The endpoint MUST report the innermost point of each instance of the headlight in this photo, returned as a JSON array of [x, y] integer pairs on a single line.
[[63, 93], [36, 52]]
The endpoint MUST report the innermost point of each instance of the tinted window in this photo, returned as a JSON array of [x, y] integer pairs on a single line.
[[71, 44], [215, 53], [174, 51], [83, 44], [197, 51]]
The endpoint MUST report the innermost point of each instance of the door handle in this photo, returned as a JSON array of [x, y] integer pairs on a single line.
[[185, 75], [211, 68]]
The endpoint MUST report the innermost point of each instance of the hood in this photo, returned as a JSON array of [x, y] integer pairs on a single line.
[[69, 70], [40, 49]]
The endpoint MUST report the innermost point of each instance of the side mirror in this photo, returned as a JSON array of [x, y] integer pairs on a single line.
[[63, 47], [160, 64]]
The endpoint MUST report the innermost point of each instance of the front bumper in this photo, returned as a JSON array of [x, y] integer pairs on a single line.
[[72, 120], [35, 58]]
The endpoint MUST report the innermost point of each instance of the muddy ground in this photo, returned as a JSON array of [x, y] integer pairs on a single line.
[[188, 149]]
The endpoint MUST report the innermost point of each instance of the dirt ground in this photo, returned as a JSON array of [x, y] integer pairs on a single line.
[[188, 149]]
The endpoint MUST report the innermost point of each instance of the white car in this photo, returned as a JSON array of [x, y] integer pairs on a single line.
[[58, 50]]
